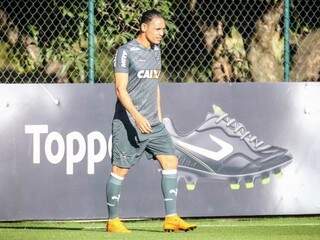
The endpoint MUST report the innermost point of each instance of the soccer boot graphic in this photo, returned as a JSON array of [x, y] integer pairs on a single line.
[[222, 148]]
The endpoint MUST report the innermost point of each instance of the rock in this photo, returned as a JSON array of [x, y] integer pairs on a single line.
[[266, 49], [306, 65]]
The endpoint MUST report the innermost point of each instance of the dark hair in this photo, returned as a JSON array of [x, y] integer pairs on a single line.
[[147, 16]]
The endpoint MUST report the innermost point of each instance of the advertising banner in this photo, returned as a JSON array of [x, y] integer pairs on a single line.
[[244, 149]]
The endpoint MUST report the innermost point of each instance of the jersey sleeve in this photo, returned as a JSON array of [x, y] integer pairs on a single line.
[[121, 61]]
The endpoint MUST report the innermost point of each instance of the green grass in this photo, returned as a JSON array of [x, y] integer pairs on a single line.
[[276, 228]]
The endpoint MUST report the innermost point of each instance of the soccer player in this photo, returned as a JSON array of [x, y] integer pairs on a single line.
[[136, 127]]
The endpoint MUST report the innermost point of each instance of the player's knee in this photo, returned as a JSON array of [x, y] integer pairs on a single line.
[[168, 162], [121, 172]]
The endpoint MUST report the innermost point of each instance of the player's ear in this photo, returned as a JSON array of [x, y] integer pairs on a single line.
[[143, 27]]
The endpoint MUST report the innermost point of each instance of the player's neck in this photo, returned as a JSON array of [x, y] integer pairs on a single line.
[[143, 41]]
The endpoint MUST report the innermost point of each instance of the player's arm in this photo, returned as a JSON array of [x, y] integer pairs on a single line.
[[159, 104], [121, 82]]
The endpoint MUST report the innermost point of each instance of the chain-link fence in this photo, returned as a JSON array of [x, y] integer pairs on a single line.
[[43, 41], [206, 41], [305, 40]]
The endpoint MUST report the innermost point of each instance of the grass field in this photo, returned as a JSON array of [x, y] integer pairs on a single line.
[[275, 228]]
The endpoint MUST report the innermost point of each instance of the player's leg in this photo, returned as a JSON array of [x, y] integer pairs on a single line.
[[114, 185], [113, 191], [169, 182], [169, 185], [123, 157], [161, 146]]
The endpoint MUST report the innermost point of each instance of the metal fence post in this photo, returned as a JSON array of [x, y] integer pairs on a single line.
[[91, 41], [287, 40]]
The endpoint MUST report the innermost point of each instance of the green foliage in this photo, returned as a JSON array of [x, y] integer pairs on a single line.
[[4, 55], [199, 74], [103, 70], [118, 22], [235, 51], [71, 52], [58, 32], [20, 59], [72, 56]]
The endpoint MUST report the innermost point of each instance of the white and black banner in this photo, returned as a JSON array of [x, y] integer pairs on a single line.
[[234, 141]]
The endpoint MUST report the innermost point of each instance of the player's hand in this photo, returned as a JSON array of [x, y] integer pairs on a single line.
[[142, 124]]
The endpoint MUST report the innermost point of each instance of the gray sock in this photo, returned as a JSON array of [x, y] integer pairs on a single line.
[[169, 187], [113, 195]]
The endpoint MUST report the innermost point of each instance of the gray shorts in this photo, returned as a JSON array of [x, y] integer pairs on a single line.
[[129, 144]]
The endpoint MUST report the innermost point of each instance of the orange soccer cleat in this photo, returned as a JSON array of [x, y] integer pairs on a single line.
[[116, 226], [175, 223]]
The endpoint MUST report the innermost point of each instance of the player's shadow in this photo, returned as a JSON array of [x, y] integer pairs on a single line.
[[144, 230]]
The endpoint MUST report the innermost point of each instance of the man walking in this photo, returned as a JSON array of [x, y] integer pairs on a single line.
[[137, 128]]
